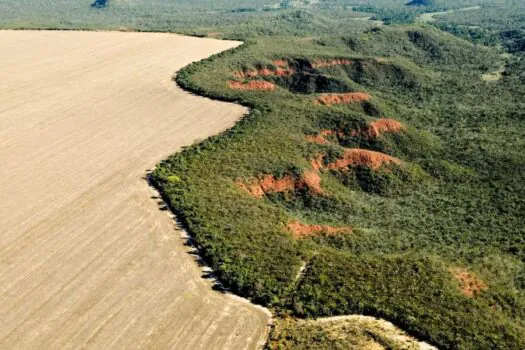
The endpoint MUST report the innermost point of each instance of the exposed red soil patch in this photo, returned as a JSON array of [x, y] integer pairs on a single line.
[[252, 85], [379, 127], [280, 63], [300, 230], [340, 99], [330, 63], [270, 184], [253, 189], [375, 129], [317, 139], [318, 163], [266, 72], [280, 72], [312, 180], [327, 133], [246, 74], [471, 284], [362, 157], [321, 137]]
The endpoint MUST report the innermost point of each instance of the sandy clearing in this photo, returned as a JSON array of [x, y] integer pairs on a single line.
[[498, 73], [388, 328], [87, 260]]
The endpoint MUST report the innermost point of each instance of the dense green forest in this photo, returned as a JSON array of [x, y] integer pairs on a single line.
[[380, 171]]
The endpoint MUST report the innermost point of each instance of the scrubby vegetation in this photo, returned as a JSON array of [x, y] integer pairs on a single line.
[[418, 170], [234, 19], [375, 156]]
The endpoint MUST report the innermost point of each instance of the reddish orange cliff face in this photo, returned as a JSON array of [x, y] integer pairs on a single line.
[[382, 126], [340, 99], [362, 157], [471, 284], [270, 184], [254, 85]]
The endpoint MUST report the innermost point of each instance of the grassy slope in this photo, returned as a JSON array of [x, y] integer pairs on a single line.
[[459, 203]]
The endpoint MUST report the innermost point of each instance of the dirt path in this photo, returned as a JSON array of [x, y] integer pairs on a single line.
[[431, 16], [87, 259]]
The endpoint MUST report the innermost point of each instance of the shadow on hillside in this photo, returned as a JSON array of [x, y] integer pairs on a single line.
[[188, 241]]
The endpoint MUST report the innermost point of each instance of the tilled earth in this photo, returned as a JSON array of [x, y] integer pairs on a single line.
[[87, 259]]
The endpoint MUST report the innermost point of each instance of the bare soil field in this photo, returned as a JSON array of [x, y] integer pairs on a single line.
[[87, 259]]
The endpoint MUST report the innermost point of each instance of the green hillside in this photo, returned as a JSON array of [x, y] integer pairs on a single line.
[[447, 215]]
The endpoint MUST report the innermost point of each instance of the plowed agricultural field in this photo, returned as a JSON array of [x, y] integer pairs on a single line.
[[87, 259]]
